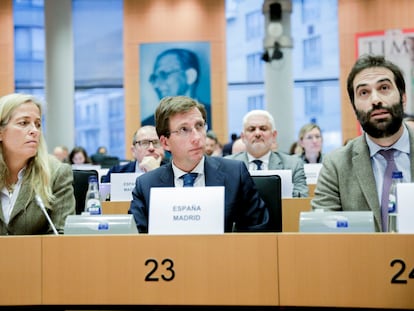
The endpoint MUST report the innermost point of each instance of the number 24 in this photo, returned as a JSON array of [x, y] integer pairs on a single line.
[[396, 278]]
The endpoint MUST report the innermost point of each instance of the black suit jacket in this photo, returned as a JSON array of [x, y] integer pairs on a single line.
[[243, 205]]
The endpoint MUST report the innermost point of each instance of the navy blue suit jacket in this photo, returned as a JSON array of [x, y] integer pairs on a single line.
[[126, 168], [243, 205]]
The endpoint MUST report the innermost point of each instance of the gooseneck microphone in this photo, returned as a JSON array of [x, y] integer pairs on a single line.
[[39, 202]]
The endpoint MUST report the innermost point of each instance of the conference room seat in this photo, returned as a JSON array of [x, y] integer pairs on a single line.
[[80, 187], [270, 190]]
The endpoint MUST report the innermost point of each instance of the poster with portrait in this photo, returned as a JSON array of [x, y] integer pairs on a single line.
[[397, 45], [171, 69]]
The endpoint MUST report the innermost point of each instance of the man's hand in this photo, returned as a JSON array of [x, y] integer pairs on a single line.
[[149, 163]]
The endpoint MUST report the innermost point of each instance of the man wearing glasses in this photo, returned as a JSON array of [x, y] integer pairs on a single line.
[[181, 126], [176, 72], [147, 151]]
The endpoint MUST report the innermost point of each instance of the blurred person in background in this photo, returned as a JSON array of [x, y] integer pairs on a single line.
[[78, 155], [147, 152], [310, 139], [61, 153]]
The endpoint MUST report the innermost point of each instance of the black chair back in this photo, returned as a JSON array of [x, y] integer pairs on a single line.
[[80, 187], [109, 161], [270, 190]]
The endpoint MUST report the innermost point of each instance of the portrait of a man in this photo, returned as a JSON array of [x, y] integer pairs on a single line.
[[171, 69]]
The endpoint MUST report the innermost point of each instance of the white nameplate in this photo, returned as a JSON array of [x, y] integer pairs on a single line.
[[285, 177], [312, 172], [189, 210], [122, 185], [405, 208]]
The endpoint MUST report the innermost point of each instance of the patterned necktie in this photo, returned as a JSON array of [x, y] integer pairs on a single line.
[[258, 164], [189, 179], [391, 167]]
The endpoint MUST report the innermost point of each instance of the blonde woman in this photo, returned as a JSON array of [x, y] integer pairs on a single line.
[[310, 139], [27, 171]]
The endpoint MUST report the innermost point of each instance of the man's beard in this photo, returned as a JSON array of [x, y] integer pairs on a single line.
[[381, 128]]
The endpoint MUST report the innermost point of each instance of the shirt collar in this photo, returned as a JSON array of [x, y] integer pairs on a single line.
[[402, 144], [198, 169]]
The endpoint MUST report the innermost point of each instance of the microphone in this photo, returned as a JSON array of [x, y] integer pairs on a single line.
[[43, 208]]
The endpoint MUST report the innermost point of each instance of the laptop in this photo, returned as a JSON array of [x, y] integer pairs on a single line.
[[337, 222], [100, 224]]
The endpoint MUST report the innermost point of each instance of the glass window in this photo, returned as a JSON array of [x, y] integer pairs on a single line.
[[312, 52], [255, 102], [99, 95], [254, 25], [255, 67]]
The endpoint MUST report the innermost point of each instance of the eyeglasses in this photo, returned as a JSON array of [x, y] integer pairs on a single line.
[[145, 143], [186, 131], [162, 75]]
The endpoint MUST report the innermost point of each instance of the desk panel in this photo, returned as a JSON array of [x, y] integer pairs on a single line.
[[230, 269], [20, 270], [291, 208], [346, 270], [115, 207]]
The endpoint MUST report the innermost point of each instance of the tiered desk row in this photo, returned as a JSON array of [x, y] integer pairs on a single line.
[[263, 269], [285, 269]]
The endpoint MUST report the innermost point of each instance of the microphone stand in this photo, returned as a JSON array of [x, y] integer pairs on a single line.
[[43, 208]]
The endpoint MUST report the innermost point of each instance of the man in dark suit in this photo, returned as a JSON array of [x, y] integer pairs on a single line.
[[181, 126], [147, 151]]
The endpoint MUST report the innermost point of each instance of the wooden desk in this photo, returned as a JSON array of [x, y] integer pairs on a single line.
[[230, 269], [346, 270], [291, 208], [115, 207], [285, 269], [311, 188], [20, 264]]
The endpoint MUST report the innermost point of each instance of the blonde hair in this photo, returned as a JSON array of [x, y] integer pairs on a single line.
[[307, 128], [37, 171]]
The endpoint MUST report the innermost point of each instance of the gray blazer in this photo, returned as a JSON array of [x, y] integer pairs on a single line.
[[27, 217], [281, 161], [346, 181]]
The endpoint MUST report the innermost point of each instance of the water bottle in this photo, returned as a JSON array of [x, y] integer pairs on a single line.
[[93, 200], [397, 178]]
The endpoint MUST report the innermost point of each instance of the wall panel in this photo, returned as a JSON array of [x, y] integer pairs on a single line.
[[148, 21]]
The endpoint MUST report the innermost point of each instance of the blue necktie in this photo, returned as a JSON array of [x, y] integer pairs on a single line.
[[391, 167], [189, 179], [258, 164]]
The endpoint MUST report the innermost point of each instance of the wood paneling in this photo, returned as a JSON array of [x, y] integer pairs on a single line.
[[148, 21], [21, 272], [230, 269], [6, 47]]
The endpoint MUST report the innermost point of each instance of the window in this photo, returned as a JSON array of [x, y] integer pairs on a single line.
[[312, 52], [254, 25], [313, 100], [255, 102], [255, 67]]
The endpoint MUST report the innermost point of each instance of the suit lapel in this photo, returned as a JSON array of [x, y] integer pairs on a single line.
[[213, 175], [22, 200], [361, 162], [167, 176], [275, 162]]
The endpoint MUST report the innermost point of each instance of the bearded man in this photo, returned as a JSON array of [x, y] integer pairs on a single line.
[[352, 177]]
